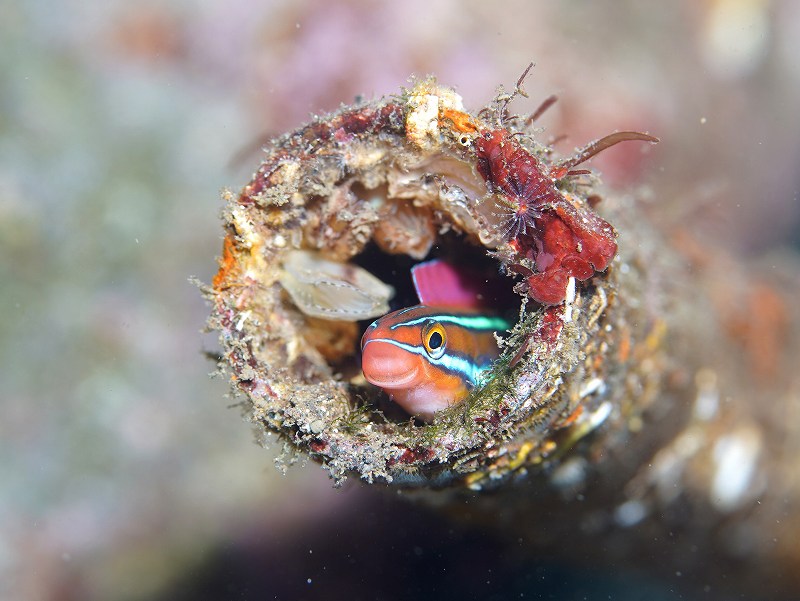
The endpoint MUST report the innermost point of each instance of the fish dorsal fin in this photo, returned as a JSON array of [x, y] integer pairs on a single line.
[[441, 284]]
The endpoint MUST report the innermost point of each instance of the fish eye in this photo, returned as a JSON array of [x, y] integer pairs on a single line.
[[434, 338]]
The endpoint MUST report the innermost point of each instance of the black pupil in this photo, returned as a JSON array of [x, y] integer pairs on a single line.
[[435, 341]]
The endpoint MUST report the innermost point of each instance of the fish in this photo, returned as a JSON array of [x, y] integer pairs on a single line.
[[430, 356]]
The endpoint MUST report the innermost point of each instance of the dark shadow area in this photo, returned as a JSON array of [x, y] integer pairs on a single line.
[[388, 549], [468, 258]]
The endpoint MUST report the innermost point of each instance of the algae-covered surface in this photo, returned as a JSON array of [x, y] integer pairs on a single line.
[[125, 472]]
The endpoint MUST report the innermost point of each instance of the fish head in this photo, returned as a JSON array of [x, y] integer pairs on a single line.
[[405, 353]]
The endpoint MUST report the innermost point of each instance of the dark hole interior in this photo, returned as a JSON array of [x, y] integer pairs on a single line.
[[454, 248]]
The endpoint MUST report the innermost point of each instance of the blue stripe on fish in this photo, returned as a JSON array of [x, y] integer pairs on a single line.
[[470, 322]]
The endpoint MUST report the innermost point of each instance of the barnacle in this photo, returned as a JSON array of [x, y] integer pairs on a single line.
[[330, 290], [356, 197]]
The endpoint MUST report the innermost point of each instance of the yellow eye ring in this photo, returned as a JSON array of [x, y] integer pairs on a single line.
[[434, 339]]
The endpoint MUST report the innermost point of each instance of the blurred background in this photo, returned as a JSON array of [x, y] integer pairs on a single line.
[[125, 472]]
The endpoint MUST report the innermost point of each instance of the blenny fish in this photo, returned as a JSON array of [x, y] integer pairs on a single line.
[[429, 356]]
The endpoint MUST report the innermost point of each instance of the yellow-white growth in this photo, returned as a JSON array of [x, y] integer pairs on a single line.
[[425, 101]]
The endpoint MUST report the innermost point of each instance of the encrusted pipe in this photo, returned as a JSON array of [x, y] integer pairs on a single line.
[[646, 374]]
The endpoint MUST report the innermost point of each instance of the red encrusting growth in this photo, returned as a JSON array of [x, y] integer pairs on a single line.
[[562, 241], [415, 455]]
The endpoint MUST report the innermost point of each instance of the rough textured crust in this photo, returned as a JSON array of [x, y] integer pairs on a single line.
[[326, 187]]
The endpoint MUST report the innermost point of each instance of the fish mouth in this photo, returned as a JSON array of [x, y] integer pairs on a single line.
[[402, 381], [383, 368]]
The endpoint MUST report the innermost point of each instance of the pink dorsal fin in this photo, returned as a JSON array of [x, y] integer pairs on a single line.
[[441, 284]]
